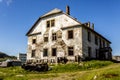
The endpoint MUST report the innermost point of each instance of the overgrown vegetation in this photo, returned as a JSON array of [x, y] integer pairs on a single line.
[[71, 71], [88, 65]]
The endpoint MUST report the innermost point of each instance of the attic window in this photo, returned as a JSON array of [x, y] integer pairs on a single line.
[[52, 23], [48, 24]]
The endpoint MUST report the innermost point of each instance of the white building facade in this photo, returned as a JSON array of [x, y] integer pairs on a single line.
[[57, 34]]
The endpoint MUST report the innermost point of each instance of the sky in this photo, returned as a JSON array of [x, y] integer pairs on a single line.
[[18, 16]]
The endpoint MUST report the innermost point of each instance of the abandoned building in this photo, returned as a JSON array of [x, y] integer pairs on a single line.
[[56, 34]]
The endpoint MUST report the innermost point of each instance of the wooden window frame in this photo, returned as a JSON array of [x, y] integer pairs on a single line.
[[70, 50], [33, 41], [48, 24], [89, 36], [54, 36], [45, 39], [96, 39], [33, 53], [69, 34], [54, 54], [45, 52], [52, 23]]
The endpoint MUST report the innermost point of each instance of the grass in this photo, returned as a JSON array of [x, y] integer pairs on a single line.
[[90, 70]]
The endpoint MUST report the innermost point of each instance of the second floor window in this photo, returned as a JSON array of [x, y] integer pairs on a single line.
[[33, 41], [89, 36], [48, 24], [52, 23], [70, 34], [96, 40], [45, 39], [54, 37]]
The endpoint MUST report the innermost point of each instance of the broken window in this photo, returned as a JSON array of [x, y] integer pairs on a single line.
[[70, 51], [89, 36], [52, 23], [70, 34], [89, 52], [45, 52], [48, 24], [54, 37], [54, 51], [96, 40], [33, 41], [33, 53], [45, 39]]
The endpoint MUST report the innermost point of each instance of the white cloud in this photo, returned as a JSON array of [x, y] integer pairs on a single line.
[[7, 2], [1, 0]]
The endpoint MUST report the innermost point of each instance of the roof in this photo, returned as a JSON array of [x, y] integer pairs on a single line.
[[57, 11], [52, 12]]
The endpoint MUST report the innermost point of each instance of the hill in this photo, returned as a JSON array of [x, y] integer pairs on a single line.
[[3, 55]]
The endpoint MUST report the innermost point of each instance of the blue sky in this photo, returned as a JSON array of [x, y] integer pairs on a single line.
[[17, 17]]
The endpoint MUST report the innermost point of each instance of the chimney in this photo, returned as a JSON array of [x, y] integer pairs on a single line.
[[92, 26], [67, 10], [88, 24]]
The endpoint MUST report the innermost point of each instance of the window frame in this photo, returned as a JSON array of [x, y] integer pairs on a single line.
[[46, 39], [89, 36], [52, 22], [70, 50], [69, 34], [89, 51], [45, 52], [48, 24], [33, 53], [33, 41], [54, 36], [54, 49]]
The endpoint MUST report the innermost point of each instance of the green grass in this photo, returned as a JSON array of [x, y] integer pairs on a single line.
[[103, 70]]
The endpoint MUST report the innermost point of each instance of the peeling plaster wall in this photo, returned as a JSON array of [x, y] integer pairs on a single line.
[[61, 20], [91, 44]]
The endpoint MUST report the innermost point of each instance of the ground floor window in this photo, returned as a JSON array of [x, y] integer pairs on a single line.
[[33, 53], [54, 51], [70, 51], [45, 52], [89, 52]]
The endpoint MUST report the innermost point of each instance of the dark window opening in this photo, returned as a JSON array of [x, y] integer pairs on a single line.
[[48, 24], [45, 52], [54, 51], [52, 23], [33, 53], [45, 39], [70, 51], [70, 34], [89, 52], [100, 43], [54, 37], [89, 36], [103, 43], [97, 54], [96, 40], [33, 41]]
